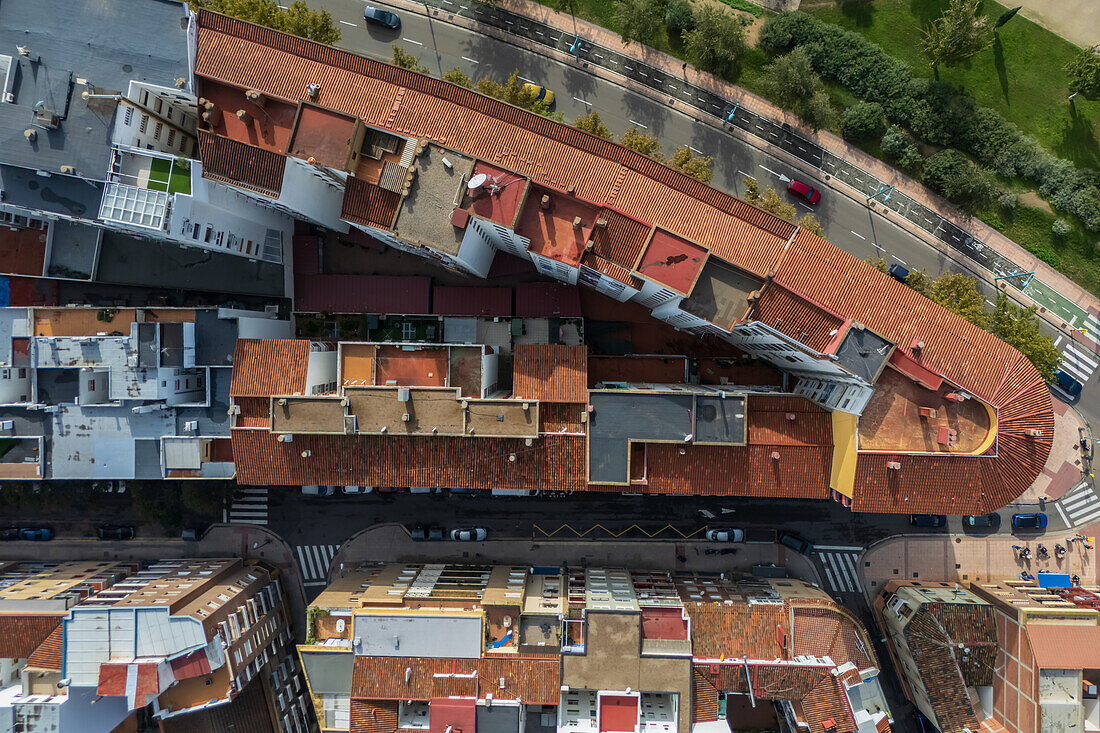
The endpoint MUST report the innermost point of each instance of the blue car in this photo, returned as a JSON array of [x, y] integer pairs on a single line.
[[1067, 383], [1029, 521], [36, 534], [384, 18]]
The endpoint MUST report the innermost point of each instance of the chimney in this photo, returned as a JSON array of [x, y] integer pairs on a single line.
[[30, 134], [256, 97], [243, 116], [312, 89], [545, 204], [180, 82], [917, 345], [68, 170], [307, 453], [576, 222], [213, 114], [775, 455], [791, 416], [601, 223], [1034, 433], [893, 466]]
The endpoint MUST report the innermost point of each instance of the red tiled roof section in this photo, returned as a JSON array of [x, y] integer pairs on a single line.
[[704, 698], [373, 716], [826, 701], [616, 272], [455, 300], [547, 300], [551, 373], [795, 316], [622, 240], [800, 472], [265, 367], [736, 630], [551, 153], [398, 294], [825, 629], [366, 203], [769, 421], [554, 417], [534, 681], [48, 654], [240, 164], [21, 634], [1062, 646], [554, 461], [255, 412]]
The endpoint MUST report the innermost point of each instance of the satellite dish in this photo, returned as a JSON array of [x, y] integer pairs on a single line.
[[477, 181], [340, 625]]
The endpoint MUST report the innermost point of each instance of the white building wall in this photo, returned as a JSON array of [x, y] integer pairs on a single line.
[[15, 385], [263, 328], [139, 129], [476, 252], [321, 372], [312, 194], [489, 366]]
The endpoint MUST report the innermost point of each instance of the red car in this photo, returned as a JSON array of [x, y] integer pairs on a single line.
[[811, 194]]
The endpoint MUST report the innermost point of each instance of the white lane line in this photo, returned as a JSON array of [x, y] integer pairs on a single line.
[[639, 124], [1056, 341], [467, 58], [880, 249], [900, 260], [1080, 500], [769, 170], [746, 175], [531, 81], [613, 61], [841, 571], [671, 87], [306, 570], [314, 582], [843, 548], [347, 23], [858, 234], [582, 101], [991, 303], [805, 206], [829, 574], [1074, 370], [695, 150], [1063, 515], [1088, 518], [409, 40], [851, 561]]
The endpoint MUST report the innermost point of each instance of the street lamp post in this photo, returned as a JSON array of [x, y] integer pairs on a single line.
[[1028, 275], [882, 190]]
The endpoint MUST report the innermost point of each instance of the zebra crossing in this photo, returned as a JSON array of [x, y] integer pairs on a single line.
[[314, 562], [841, 566], [249, 506], [1080, 506], [1079, 361]]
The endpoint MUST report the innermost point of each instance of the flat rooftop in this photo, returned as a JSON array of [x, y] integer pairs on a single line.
[[672, 261], [864, 352], [317, 414], [392, 365], [72, 322], [498, 199], [892, 420], [24, 250], [425, 215], [551, 230], [438, 412], [269, 127], [325, 135], [720, 295]]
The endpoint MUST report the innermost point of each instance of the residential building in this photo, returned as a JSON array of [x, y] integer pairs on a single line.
[[440, 171], [111, 393], [89, 646], [997, 657], [513, 648]]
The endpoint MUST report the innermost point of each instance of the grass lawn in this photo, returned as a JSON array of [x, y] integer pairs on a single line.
[[166, 176], [1075, 255], [1020, 76]]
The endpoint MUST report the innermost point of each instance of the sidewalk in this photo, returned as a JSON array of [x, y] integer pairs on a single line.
[[391, 543], [247, 541], [988, 236], [967, 560], [1065, 466]]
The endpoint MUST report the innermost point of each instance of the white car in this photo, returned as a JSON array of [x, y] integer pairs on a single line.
[[725, 535], [358, 489], [469, 534], [318, 490]]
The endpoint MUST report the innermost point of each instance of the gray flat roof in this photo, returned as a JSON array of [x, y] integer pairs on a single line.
[[58, 194], [106, 42], [864, 353]]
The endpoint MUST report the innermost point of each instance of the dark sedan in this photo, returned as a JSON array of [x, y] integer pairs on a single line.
[[927, 520], [381, 17], [115, 532]]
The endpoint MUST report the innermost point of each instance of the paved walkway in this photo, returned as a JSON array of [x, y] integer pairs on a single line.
[[1078, 21], [1068, 301]]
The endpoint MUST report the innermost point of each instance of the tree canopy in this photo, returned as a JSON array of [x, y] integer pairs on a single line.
[[961, 32], [696, 166], [405, 60], [297, 19], [1084, 73], [643, 143], [717, 42], [1019, 328], [959, 294], [792, 83], [592, 123], [640, 20]]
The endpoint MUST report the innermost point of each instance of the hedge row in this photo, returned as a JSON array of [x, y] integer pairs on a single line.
[[935, 111]]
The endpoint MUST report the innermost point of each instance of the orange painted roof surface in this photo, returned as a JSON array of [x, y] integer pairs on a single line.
[[503, 206], [551, 373], [1064, 646], [535, 681], [795, 316], [672, 261], [240, 164], [265, 367]]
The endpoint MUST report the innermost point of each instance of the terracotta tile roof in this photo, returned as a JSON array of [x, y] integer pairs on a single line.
[[556, 416], [827, 701], [265, 367], [1061, 646], [551, 153], [397, 294], [240, 164], [255, 412], [622, 240], [366, 203], [21, 634], [826, 629], [554, 461], [704, 696], [719, 630], [795, 316], [547, 300], [551, 373], [768, 421], [802, 472], [814, 689], [47, 655], [452, 300], [534, 681], [614, 271], [373, 716]]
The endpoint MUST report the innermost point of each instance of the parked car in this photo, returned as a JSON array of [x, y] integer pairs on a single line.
[[318, 490], [927, 520], [725, 535], [542, 93], [898, 272], [115, 532], [9, 533], [358, 489], [983, 520], [469, 534], [796, 543], [1037, 520], [804, 191], [384, 18], [1067, 383], [392, 489], [36, 534], [421, 532], [189, 535]]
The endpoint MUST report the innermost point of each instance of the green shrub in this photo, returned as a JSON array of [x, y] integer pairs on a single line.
[[679, 18], [1061, 228], [862, 121]]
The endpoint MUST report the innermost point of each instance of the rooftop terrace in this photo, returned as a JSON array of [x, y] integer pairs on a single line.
[[720, 294], [550, 226], [425, 215], [672, 261]]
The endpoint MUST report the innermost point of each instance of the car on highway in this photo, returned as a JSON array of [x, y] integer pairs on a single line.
[[542, 93], [9, 533], [1067, 383], [384, 18], [796, 543], [1038, 520], [927, 520], [804, 191], [318, 490], [115, 532], [469, 534], [358, 489], [36, 534], [725, 535], [991, 521]]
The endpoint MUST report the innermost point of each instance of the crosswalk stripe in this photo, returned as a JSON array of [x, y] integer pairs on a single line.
[[829, 574], [1088, 518], [1063, 515], [1075, 371], [1079, 500], [1079, 355], [851, 561], [841, 571], [314, 560]]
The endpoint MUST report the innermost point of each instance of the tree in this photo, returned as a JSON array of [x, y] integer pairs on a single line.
[[897, 147], [297, 19], [640, 20], [961, 32], [811, 224], [919, 280], [679, 18], [643, 143], [862, 121], [752, 191], [1019, 328], [514, 92], [1084, 73], [592, 123], [489, 87], [457, 76], [879, 264], [959, 294], [968, 186], [1061, 228], [792, 83], [405, 60], [770, 202], [717, 42], [696, 166]]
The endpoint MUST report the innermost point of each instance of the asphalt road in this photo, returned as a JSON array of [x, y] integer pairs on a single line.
[[848, 224]]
